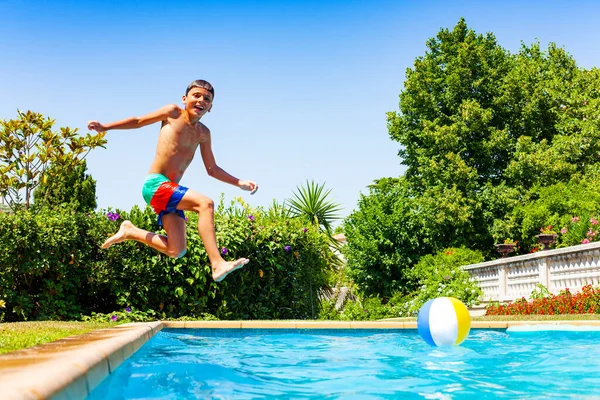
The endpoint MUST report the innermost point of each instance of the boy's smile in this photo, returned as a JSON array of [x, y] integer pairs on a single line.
[[198, 101]]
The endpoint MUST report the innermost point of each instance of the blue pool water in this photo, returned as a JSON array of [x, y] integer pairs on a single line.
[[356, 364]]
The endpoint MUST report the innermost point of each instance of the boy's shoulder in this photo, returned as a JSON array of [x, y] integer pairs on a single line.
[[203, 128]]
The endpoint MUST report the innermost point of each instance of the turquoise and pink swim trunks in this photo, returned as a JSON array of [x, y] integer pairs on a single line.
[[163, 195]]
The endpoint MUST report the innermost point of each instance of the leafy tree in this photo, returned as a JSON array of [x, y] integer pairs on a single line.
[[67, 185], [450, 129], [481, 132], [29, 147]]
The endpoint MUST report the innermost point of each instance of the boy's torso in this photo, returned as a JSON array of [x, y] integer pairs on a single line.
[[178, 140]]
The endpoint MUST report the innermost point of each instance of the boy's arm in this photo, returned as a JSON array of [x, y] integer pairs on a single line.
[[161, 114], [217, 172]]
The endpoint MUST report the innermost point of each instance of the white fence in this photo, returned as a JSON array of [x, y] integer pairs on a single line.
[[511, 278]]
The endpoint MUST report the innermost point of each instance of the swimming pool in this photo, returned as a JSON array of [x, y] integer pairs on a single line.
[[319, 363]]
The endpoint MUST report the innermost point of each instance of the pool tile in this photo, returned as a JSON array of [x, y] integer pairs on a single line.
[[410, 324], [269, 324], [93, 364], [213, 324], [323, 324], [78, 389], [489, 324], [376, 325], [174, 324]]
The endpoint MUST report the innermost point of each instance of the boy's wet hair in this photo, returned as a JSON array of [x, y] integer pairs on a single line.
[[201, 83]]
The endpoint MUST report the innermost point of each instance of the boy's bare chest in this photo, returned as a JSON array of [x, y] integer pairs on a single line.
[[182, 137]]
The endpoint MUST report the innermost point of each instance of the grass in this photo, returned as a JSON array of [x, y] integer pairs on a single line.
[[20, 335]]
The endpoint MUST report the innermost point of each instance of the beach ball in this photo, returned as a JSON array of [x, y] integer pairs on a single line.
[[444, 321]]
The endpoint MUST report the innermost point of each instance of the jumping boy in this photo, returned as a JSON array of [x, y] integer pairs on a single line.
[[180, 135]]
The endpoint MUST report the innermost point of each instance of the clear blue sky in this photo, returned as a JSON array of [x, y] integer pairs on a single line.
[[302, 87]]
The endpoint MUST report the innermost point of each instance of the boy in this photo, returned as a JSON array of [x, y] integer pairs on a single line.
[[180, 135]]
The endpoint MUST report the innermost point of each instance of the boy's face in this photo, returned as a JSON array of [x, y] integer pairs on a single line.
[[198, 101]]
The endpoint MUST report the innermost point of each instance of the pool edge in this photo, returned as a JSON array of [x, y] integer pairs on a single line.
[[71, 368]]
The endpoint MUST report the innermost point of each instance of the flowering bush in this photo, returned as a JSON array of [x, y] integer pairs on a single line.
[[52, 267], [579, 229], [586, 301]]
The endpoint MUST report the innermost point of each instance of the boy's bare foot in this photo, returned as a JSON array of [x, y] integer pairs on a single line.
[[126, 227], [220, 271]]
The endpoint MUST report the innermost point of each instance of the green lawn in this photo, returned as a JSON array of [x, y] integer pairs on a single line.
[[20, 335]]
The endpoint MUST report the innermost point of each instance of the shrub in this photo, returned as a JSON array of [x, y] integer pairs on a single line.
[[384, 239], [45, 261], [368, 309], [52, 266], [441, 275]]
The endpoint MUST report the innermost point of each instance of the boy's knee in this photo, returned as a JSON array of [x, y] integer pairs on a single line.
[[205, 204]]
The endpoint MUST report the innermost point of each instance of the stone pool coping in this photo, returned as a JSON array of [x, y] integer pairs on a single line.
[[72, 367]]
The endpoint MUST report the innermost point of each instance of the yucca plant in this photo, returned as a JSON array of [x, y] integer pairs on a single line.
[[311, 202]]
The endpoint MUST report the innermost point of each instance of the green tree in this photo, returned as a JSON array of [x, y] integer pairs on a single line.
[[481, 131], [29, 147], [451, 131], [67, 185]]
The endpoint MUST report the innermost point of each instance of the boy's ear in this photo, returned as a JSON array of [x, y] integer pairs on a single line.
[[183, 98], [210, 107]]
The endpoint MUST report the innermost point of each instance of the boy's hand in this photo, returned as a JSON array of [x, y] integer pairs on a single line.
[[96, 126], [249, 185]]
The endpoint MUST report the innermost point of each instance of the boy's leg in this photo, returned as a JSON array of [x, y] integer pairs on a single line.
[[194, 201], [173, 245]]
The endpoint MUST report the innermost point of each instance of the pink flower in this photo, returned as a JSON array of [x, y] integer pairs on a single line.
[[585, 241], [563, 230], [575, 219], [594, 221], [591, 233]]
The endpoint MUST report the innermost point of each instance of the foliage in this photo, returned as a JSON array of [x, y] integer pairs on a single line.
[[496, 146], [29, 147], [53, 267], [441, 275], [568, 207], [384, 239], [311, 203], [127, 315], [68, 184], [46, 264], [368, 309], [581, 229], [586, 301]]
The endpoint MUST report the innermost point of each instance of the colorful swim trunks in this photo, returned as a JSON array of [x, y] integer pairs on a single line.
[[163, 195]]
